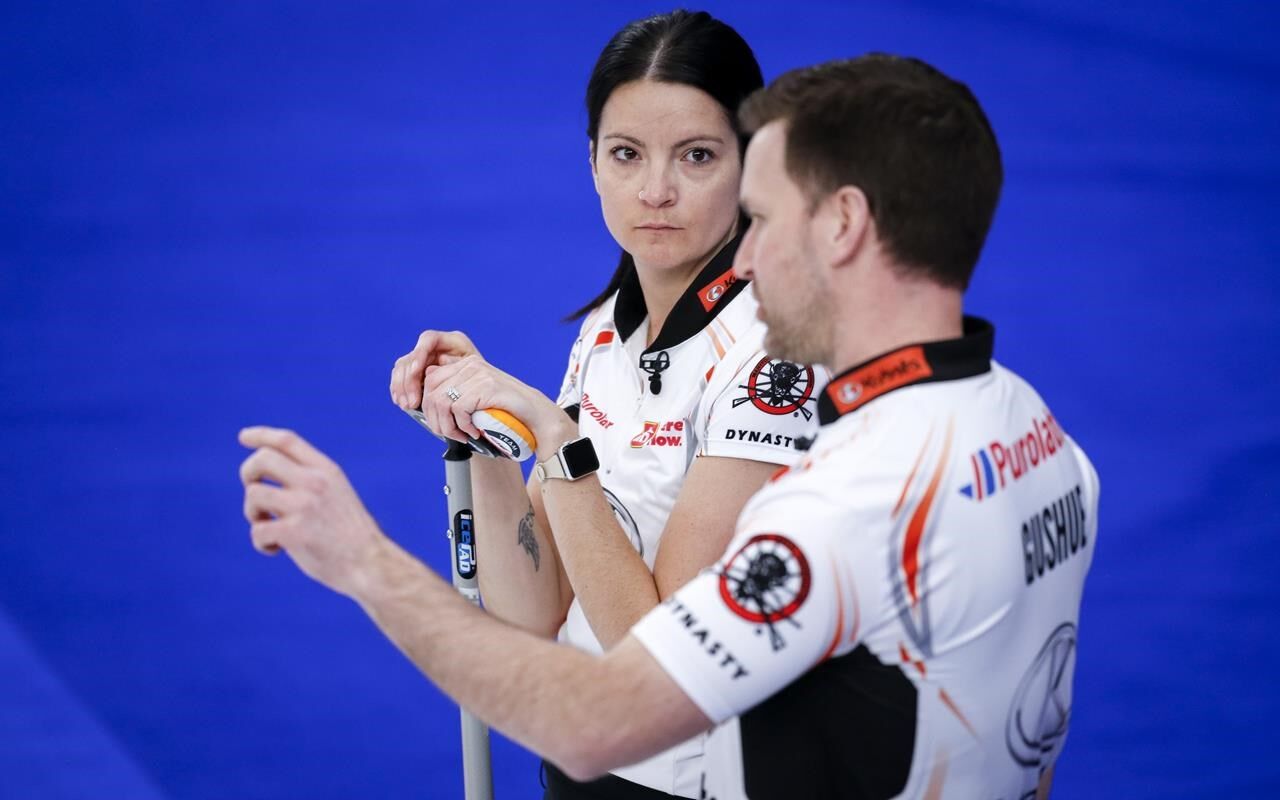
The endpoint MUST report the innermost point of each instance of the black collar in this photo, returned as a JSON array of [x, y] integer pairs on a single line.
[[707, 295], [929, 362]]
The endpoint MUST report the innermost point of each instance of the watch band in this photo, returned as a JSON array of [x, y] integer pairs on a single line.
[[572, 460], [553, 467]]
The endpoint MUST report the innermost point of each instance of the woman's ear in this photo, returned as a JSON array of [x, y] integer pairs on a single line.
[[591, 158]]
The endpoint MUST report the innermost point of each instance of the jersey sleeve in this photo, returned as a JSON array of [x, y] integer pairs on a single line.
[[756, 408], [772, 608]]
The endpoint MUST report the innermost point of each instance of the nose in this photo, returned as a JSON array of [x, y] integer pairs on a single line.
[[658, 189]]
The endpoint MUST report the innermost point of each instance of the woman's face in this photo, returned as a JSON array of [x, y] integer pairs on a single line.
[[667, 168]]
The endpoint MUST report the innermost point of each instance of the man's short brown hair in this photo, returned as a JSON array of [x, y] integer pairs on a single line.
[[914, 141]]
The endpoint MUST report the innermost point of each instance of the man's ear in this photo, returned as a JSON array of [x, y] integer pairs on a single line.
[[843, 224]]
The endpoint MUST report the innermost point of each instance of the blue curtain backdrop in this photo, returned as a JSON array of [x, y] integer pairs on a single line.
[[217, 214]]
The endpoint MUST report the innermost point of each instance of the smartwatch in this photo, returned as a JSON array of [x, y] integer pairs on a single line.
[[574, 460]]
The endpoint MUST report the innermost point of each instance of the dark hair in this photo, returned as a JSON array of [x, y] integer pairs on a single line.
[[691, 48], [912, 139]]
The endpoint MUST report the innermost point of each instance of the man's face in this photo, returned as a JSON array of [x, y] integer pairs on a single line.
[[778, 254]]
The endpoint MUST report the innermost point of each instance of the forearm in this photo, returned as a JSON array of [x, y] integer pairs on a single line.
[[583, 712], [609, 578], [571, 707], [517, 565]]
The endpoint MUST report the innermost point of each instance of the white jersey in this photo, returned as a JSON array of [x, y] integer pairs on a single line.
[[896, 615], [704, 387]]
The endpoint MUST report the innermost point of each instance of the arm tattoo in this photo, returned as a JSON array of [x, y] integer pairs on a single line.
[[526, 539]]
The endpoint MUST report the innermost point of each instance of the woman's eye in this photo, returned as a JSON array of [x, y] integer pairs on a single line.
[[699, 155], [622, 153]]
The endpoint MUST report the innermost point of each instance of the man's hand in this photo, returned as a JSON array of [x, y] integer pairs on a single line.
[[586, 713], [434, 349], [298, 500]]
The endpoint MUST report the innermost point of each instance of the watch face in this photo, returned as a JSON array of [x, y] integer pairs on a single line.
[[580, 458]]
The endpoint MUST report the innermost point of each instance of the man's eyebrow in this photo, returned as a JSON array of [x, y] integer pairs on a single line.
[[681, 143]]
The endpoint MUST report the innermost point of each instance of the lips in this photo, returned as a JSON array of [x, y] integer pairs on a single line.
[[658, 226]]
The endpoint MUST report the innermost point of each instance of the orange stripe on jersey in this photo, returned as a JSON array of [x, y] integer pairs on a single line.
[[603, 337], [906, 659], [915, 529], [728, 334], [946, 698], [715, 340], [835, 640], [720, 350], [912, 476], [936, 778]]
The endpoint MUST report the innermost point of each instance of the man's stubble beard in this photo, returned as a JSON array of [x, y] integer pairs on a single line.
[[805, 338]]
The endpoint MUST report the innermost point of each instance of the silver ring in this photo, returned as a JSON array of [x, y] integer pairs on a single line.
[[453, 393]]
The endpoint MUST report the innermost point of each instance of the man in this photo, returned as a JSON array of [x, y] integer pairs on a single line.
[[896, 616]]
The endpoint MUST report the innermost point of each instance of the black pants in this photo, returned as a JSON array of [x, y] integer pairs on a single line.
[[610, 787]]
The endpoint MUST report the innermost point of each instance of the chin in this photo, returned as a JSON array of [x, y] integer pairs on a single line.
[[662, 255], [776, 347], [778, 344]]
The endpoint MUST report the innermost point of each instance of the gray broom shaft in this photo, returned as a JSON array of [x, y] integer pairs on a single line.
[[477, 771]]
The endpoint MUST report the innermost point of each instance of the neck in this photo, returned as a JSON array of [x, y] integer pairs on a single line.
[[661, 289], [662, 286], [932, 313]]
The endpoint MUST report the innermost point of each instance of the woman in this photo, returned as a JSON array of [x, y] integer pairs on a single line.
[[668, 379]]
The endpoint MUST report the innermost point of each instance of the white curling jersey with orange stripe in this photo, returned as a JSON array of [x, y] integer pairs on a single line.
[[702, 388], [897, 614]]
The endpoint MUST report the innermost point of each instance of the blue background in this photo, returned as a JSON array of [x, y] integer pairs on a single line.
[[217, 214]]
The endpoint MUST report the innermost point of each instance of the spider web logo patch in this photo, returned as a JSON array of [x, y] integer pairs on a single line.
[[779, 387], [765, 583]]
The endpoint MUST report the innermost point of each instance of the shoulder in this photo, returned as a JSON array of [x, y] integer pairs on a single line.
[[596, 330], [861, 463], [598, 318]]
